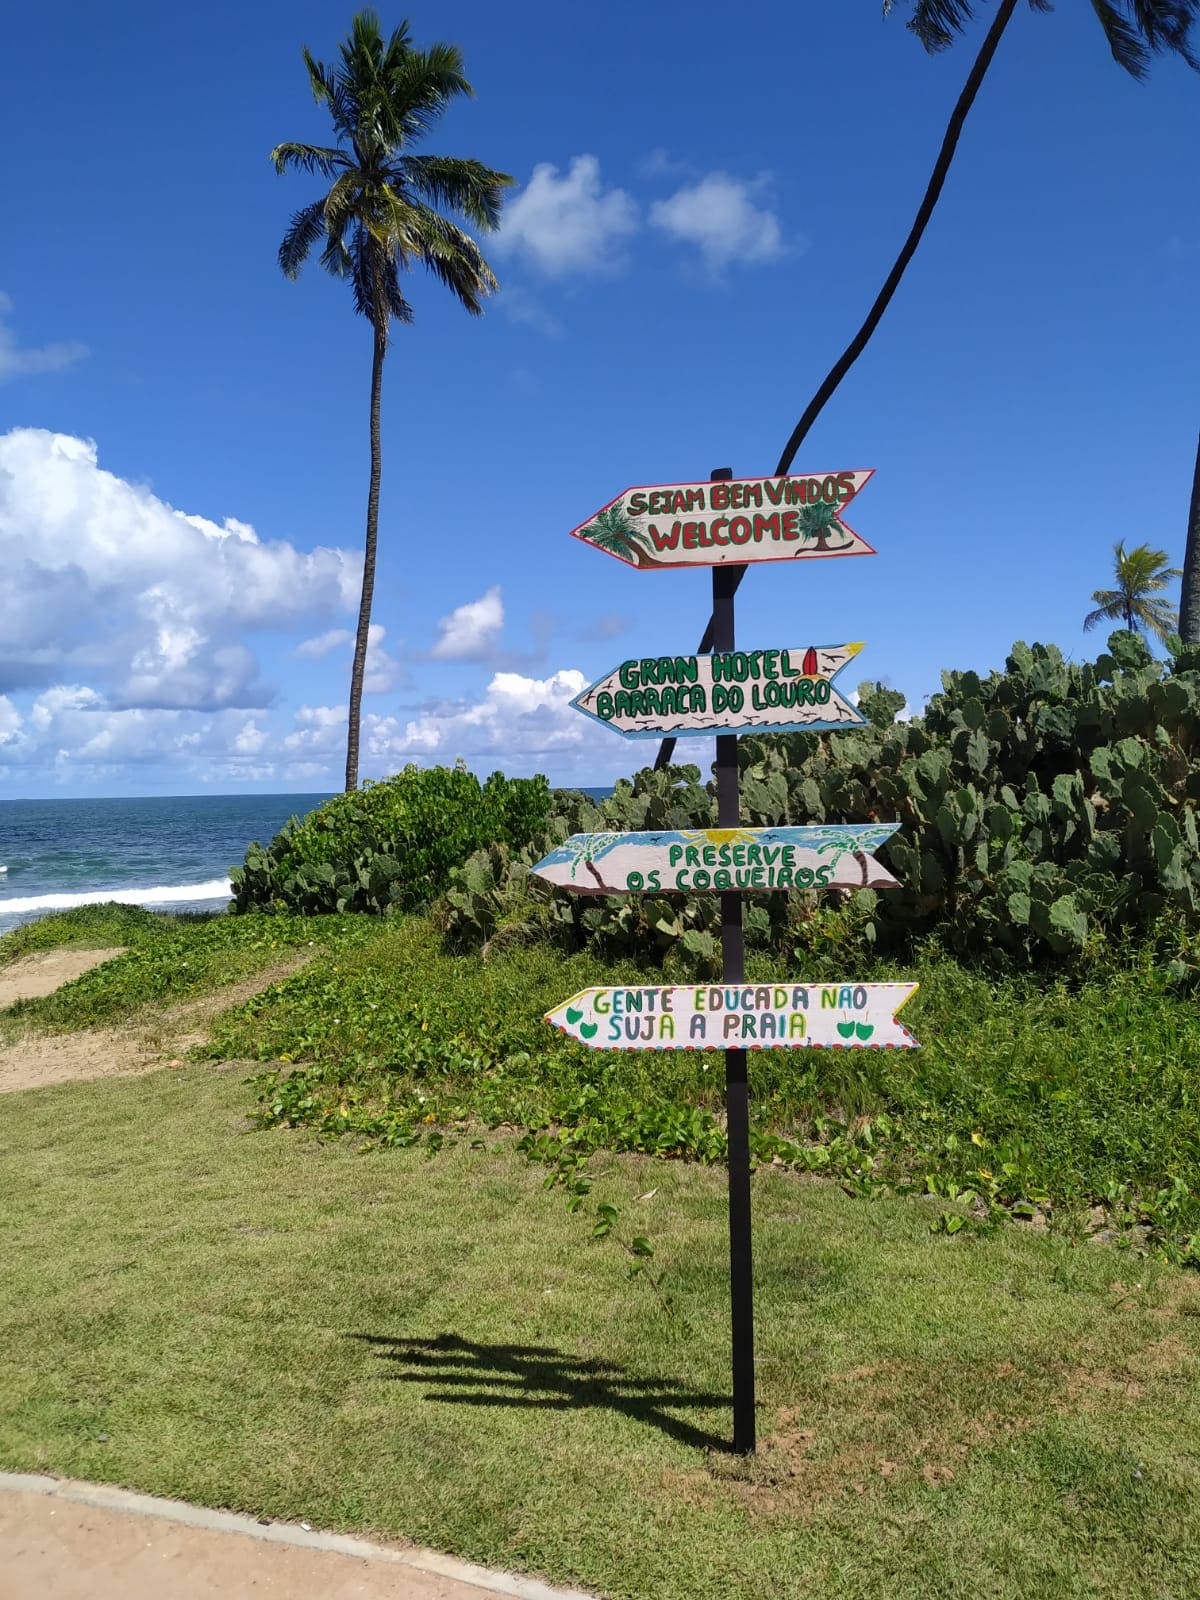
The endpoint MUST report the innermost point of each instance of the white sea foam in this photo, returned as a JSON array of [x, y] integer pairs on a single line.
[[158, 895]]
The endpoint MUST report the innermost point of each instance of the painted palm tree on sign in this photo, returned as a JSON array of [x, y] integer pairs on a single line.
[[819, 521], [612, 530], [385, 210], [1142, 574]]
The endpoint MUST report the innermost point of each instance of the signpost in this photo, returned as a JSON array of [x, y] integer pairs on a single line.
[[729, 521], [833, 857], [765, 1016], [783, 691], [724, 524]]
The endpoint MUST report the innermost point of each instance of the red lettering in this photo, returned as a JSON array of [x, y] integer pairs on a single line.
[[791, 524], [766, 525], [740, 530], [664, 540]]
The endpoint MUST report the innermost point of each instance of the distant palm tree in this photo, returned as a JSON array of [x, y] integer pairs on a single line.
[[1142, 574], [381, 214]]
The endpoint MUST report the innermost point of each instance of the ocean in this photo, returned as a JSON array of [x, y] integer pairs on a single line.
[[169, 852]]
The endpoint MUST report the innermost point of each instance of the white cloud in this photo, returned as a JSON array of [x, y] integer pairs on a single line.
[[472, 631], [570, 223], [105, 581], [10, 721], [63, 698], [518, 716], [18, 363], [382, 671], [314, 649], [250, 741], [74, 733], [719, 214], [320, 730]]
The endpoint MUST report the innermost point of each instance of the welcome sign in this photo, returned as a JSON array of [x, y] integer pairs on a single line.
[[737, 521]]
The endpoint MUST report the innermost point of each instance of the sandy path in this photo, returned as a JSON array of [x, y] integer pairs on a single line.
[[134, 1548], [154, 1040], [34, 976]]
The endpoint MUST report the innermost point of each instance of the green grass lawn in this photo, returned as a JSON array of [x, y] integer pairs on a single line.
[[436, 1349]]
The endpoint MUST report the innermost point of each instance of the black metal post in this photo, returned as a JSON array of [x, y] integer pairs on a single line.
[[737, 1102]]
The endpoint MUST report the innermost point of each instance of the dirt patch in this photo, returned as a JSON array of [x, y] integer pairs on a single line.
[[153, 1040], [34, 976]]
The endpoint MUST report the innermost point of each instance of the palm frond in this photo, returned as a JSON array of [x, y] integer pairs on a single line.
[[306, 227], [342, 202], [1166, 26], [322, 79], [451, 255], [422, 84], [1124, 40], [937, 22], [1104, 614], [468, 187], [309, 157]]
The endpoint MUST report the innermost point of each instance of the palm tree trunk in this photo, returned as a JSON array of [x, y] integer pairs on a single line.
[[362, 637], [857, 345], [1189, 599]]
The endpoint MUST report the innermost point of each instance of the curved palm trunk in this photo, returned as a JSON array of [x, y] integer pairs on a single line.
[[368, 580], [859, 342], [1189, 599]]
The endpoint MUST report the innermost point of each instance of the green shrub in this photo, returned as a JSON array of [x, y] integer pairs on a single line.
[[1043, 810], [388, 844]]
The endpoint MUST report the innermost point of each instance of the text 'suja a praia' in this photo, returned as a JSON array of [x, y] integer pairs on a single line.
[[738, 1016]]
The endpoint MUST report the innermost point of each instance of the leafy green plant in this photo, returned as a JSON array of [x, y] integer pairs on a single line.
[[1044, 811], [390, 844]]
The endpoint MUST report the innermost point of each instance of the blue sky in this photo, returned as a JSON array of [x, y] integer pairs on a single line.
[[707, 203]]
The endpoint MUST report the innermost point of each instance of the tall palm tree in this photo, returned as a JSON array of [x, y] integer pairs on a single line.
[[1189, 599], [1136, 31], [1142, 574], [385, 209]]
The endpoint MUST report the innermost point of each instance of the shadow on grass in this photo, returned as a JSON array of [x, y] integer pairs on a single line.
[[460, 1372]]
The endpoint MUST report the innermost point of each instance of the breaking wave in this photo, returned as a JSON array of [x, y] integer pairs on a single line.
[[158, 895]]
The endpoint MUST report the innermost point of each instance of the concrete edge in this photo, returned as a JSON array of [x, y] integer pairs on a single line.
[[105, 1497]]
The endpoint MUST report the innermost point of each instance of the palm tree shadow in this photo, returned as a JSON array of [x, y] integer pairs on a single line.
[[461, 1372]]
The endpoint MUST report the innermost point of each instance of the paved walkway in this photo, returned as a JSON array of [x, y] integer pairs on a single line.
[[62, 1540]]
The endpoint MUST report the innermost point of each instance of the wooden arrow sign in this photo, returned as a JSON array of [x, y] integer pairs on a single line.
[[833, 857], [787, 691], [743, 520], [739, 1016]]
